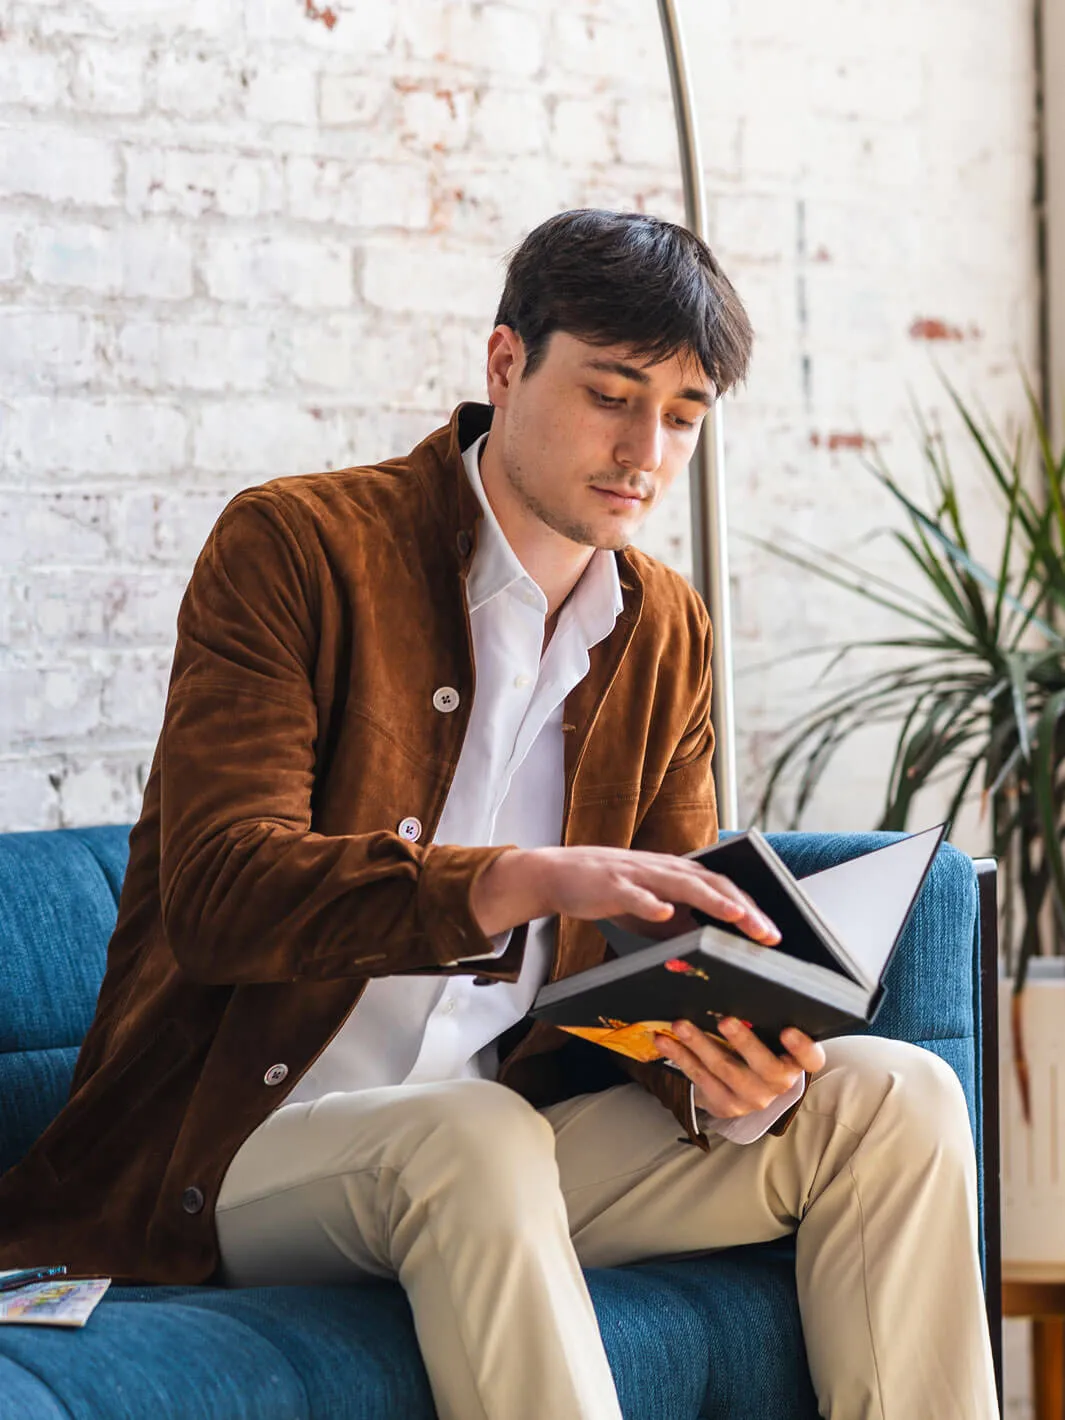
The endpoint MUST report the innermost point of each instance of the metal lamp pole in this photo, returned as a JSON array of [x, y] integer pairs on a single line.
[[706, 476]]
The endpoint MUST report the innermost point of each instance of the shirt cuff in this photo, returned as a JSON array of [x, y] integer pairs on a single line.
[[749, 1127], [500, 942]]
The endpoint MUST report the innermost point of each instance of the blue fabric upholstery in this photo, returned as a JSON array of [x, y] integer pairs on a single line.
[[700, 1338]]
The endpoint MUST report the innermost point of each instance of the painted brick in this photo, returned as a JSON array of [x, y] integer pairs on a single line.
[[434, 118], [357, 29], [582, 131], [30, 76], [195, 355], [77, 255], [366, 195], [82, 436], [164, 526], [402, 365], [59, 166], [43, 349], [27, 797], [509, 122], [452, 284], [134, 694], [109, 78], [592, 47], [38, 528], [352, 99], [192, 184], [193, 84], [267, 438], [157, 262], [496, 38], [264, 270], [94, 789], [10, 234], [280, 93]]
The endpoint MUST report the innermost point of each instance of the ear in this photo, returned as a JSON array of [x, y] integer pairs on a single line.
[[506, 360]]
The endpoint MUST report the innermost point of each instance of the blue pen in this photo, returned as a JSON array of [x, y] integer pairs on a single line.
[[31, 1274]]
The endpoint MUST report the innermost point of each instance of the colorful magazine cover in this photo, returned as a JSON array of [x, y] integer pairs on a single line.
[[63, 1302]]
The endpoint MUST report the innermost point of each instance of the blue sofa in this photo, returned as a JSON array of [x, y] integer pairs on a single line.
[[698, 1338]]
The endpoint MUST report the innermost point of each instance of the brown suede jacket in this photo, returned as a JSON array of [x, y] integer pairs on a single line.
[[266, 879]]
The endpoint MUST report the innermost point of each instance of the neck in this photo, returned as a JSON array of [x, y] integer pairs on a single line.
[[554, 563]]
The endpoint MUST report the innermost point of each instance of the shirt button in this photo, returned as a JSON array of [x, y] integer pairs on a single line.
[[521, 681], [446, 699], [410, 829], [192, 1200], [449, 1006], [276, 1074]]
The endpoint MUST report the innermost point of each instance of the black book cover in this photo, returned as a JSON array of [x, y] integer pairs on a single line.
[[702, 973]]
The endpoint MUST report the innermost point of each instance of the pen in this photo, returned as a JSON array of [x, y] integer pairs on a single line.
[[31, 1274]]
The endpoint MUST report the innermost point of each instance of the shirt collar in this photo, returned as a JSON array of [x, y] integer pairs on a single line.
[[593, 604]]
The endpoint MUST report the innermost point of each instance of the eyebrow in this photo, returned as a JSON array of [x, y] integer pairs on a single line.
[[633, 372]]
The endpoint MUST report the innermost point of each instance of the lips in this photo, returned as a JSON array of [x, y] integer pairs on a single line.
[[618, 498]]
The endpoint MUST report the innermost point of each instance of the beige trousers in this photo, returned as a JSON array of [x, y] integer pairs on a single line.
[[485, 1209]]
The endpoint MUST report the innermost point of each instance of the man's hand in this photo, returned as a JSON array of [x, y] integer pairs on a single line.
[[608, 882], [748, 1077]]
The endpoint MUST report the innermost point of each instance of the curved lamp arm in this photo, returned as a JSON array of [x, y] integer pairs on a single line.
[[707, 473]]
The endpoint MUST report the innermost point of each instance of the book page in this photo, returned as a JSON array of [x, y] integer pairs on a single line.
[[867, 899]]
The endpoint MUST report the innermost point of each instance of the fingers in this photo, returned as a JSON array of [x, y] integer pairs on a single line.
[[724, 1077], [807, 1053], [683, 881]]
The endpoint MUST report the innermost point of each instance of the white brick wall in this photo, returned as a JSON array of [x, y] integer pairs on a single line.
[[241, 238]]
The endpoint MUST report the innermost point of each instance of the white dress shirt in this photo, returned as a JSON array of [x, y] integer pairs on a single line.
[[508, 788]]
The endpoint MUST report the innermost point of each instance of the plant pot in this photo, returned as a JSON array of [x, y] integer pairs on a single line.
[[1033, 1155]]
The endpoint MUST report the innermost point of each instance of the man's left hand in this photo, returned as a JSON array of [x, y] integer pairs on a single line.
[[731, 1082]]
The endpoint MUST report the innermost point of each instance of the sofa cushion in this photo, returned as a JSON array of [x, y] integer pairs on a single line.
[[699, 1339]]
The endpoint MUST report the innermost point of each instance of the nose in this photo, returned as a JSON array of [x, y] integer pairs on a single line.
[[639, 446]]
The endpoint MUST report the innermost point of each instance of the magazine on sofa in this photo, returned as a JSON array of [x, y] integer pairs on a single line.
[[839, 929], [62, 1301]]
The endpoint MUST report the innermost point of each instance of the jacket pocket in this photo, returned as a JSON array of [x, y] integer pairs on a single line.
[[112, 1112]]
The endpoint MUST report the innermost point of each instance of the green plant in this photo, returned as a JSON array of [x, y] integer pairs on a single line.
[[980, 703]]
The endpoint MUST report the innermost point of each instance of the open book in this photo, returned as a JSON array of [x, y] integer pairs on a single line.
[[839, 929]]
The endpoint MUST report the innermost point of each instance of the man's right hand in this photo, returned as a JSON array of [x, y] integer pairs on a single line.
[[638, 890]]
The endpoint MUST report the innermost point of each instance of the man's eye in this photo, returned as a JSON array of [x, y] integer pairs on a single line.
[[683, 423], [609, 400]]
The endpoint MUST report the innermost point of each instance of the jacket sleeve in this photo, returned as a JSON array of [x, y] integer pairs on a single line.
[[250, 894], [681, 818]]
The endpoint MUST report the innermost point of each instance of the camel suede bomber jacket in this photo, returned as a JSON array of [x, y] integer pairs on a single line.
[[266, 880]]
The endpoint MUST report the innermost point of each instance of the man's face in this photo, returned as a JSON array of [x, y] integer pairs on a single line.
[[592, 439]]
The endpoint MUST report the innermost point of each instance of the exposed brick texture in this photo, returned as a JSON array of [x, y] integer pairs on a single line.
[[243, 238]]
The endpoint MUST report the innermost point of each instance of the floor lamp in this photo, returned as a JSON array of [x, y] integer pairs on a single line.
[[706, 475]]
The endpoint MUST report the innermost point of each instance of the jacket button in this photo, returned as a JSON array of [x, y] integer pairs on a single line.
[[410, 829], [464, 542], [192, 1200], [484, 981], [446, 699], [276, 1074]]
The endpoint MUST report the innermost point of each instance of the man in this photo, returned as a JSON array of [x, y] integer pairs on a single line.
[[427, 721]]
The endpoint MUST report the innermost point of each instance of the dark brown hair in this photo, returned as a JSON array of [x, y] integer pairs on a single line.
[[624, 278]]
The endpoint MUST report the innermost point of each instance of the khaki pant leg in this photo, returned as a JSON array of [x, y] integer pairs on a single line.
[[453, 1189], [876, 1172]]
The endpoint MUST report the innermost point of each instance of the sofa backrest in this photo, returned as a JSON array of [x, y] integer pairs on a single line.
[[58, 904]]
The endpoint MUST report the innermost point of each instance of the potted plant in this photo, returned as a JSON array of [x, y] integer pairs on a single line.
[[977, 691]]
